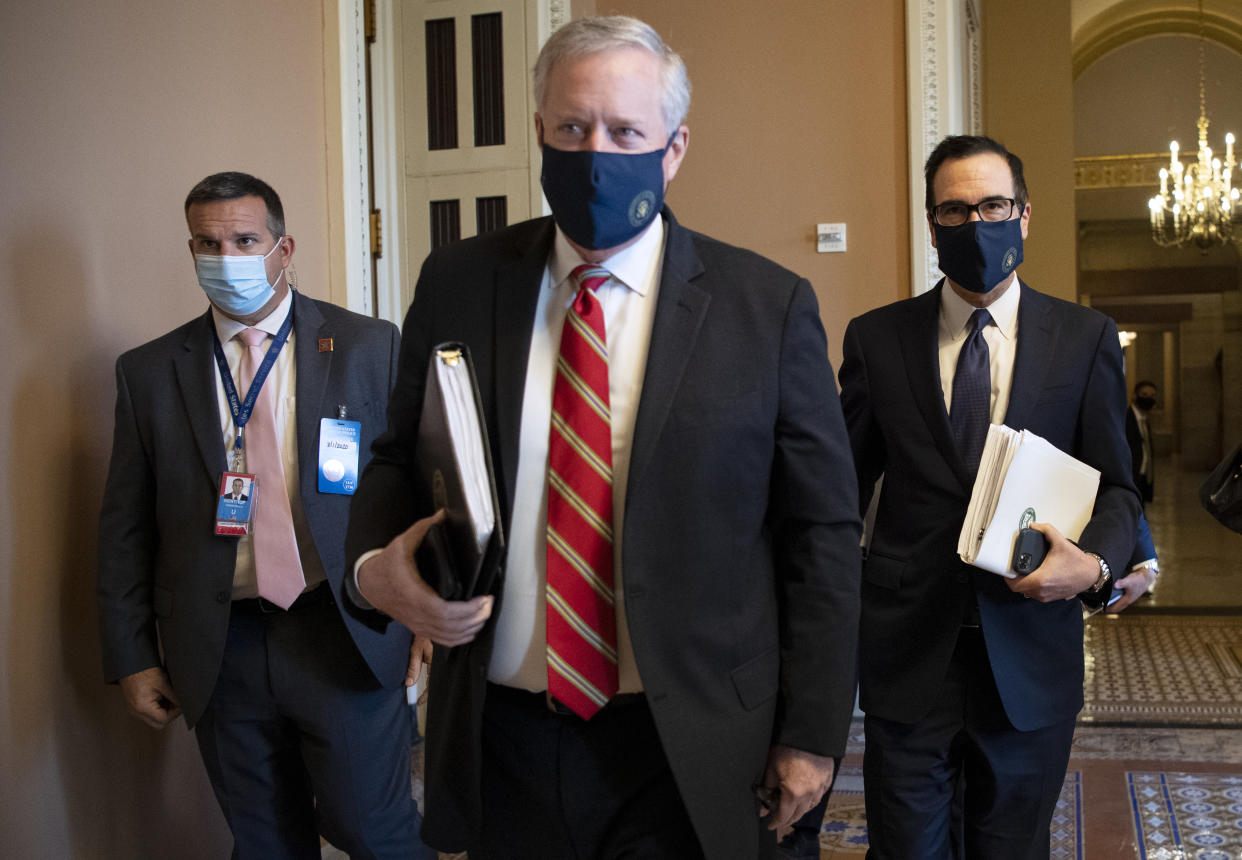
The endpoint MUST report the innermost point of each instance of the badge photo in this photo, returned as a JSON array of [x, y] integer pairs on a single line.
[[235, 505]]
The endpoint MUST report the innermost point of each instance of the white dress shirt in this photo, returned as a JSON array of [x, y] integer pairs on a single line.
[[519, 658], [1001, 337], [282, 380]]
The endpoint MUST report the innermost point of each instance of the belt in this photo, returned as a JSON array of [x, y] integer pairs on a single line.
[[542, 701], [317, 596]]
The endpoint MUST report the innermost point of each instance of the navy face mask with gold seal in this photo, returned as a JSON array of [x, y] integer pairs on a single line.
[[978, 255], [603, 199]]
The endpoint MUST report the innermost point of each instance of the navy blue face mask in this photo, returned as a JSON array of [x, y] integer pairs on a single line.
[[978, 255], [603, 199]]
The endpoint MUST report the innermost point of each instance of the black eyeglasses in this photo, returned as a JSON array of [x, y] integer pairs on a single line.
[[955, 213]]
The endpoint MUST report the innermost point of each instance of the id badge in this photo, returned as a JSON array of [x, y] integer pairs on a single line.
[[235, 507], [338, 455]]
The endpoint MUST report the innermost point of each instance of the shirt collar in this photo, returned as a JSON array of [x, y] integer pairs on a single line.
[[227, 329], [955, 311], [632, 266]]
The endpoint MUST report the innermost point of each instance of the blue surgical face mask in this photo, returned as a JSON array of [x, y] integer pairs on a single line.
[[237, 285], [603, 199], [978, 255]]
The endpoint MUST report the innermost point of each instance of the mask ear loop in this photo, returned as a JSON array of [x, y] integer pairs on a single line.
[[288, 271]]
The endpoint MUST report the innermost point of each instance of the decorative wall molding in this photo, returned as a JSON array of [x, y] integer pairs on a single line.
[[354, 157], [1119, 171], [945, 96]]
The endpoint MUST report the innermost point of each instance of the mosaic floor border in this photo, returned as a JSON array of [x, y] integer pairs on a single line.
[[1197, 816]]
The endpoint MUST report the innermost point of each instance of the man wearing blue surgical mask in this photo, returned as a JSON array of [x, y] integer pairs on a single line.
[[224, 606], [971, 682], [665, 667]]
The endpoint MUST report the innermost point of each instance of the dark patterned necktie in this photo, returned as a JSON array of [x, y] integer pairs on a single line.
[[972, 393], [581, 616]]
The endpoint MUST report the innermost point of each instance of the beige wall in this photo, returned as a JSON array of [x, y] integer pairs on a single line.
[[111, 110], [1028, 105], [798, 117]]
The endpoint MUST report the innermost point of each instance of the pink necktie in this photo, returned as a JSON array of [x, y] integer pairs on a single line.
[[581, 616], [277, 565]]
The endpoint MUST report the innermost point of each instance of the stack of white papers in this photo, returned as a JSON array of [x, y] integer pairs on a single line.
[[1023, 478]]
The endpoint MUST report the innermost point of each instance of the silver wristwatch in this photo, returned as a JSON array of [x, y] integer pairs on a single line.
[[1105, 575]]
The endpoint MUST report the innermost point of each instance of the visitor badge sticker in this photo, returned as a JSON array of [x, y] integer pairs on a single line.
[[338, 455]]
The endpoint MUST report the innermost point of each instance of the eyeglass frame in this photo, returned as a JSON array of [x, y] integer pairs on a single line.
[[935, 215]]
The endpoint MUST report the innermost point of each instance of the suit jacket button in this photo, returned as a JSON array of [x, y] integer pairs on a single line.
[[223, 597]]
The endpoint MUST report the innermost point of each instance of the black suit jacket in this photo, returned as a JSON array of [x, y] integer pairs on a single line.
[[1068, 387], [160, 564], [740, 544]]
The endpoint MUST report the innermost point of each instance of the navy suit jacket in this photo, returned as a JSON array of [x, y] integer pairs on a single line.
[[740, 545], [1068, 387], [160, 564]]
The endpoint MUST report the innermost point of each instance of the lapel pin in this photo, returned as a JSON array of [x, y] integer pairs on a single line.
[[325, 344]]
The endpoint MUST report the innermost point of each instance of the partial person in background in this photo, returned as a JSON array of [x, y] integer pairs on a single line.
[[1138, 434], [1143, 570], [299, 710]]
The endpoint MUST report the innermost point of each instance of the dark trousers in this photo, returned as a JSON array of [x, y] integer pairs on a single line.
[[299, 739], [556, 787], [1008, 780]]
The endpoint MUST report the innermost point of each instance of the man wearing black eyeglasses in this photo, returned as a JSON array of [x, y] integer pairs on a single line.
[[971, 682]]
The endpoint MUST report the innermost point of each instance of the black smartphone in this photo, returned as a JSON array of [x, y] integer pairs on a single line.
[[1029, 551], [1115, 596]]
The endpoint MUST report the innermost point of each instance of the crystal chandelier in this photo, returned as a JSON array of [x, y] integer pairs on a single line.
[[1196, 203]]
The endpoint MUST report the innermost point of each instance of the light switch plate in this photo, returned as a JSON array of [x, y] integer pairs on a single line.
[[830, 238]]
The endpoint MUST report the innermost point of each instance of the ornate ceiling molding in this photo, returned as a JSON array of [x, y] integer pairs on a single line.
[[1128, 22]]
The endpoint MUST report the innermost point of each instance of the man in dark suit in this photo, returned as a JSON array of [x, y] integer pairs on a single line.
[[237, 494], [734, 574], [298, 709], [1138, 436], [966, 675]]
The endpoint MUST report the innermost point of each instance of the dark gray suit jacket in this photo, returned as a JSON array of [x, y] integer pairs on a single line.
[[1068, 387], [740, 546], [160, 564]]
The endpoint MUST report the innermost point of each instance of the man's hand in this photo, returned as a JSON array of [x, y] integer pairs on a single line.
[[391, 583], [420, 653], [801, 778], [1066, 572], [149, 697], [1135, 585]]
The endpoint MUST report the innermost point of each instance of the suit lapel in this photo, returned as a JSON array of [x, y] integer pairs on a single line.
[[195, 370], [1037, 340], [680, 310], [312, 368], [920, 346], [517, 294]]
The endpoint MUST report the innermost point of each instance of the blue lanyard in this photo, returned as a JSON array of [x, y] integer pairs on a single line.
[[241, 409]]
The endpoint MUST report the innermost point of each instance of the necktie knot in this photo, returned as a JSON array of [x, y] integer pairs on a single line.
[[589, 279], [252, 337], [979, 320]]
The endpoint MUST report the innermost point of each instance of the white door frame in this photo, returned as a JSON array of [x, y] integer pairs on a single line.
[[944, 96], [356, 200]]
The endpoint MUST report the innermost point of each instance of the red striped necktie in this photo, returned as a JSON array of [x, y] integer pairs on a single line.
[[581, 616]]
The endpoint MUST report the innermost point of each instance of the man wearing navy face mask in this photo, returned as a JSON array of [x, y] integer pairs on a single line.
[[670, 643], [228, 613], [971, 682]]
